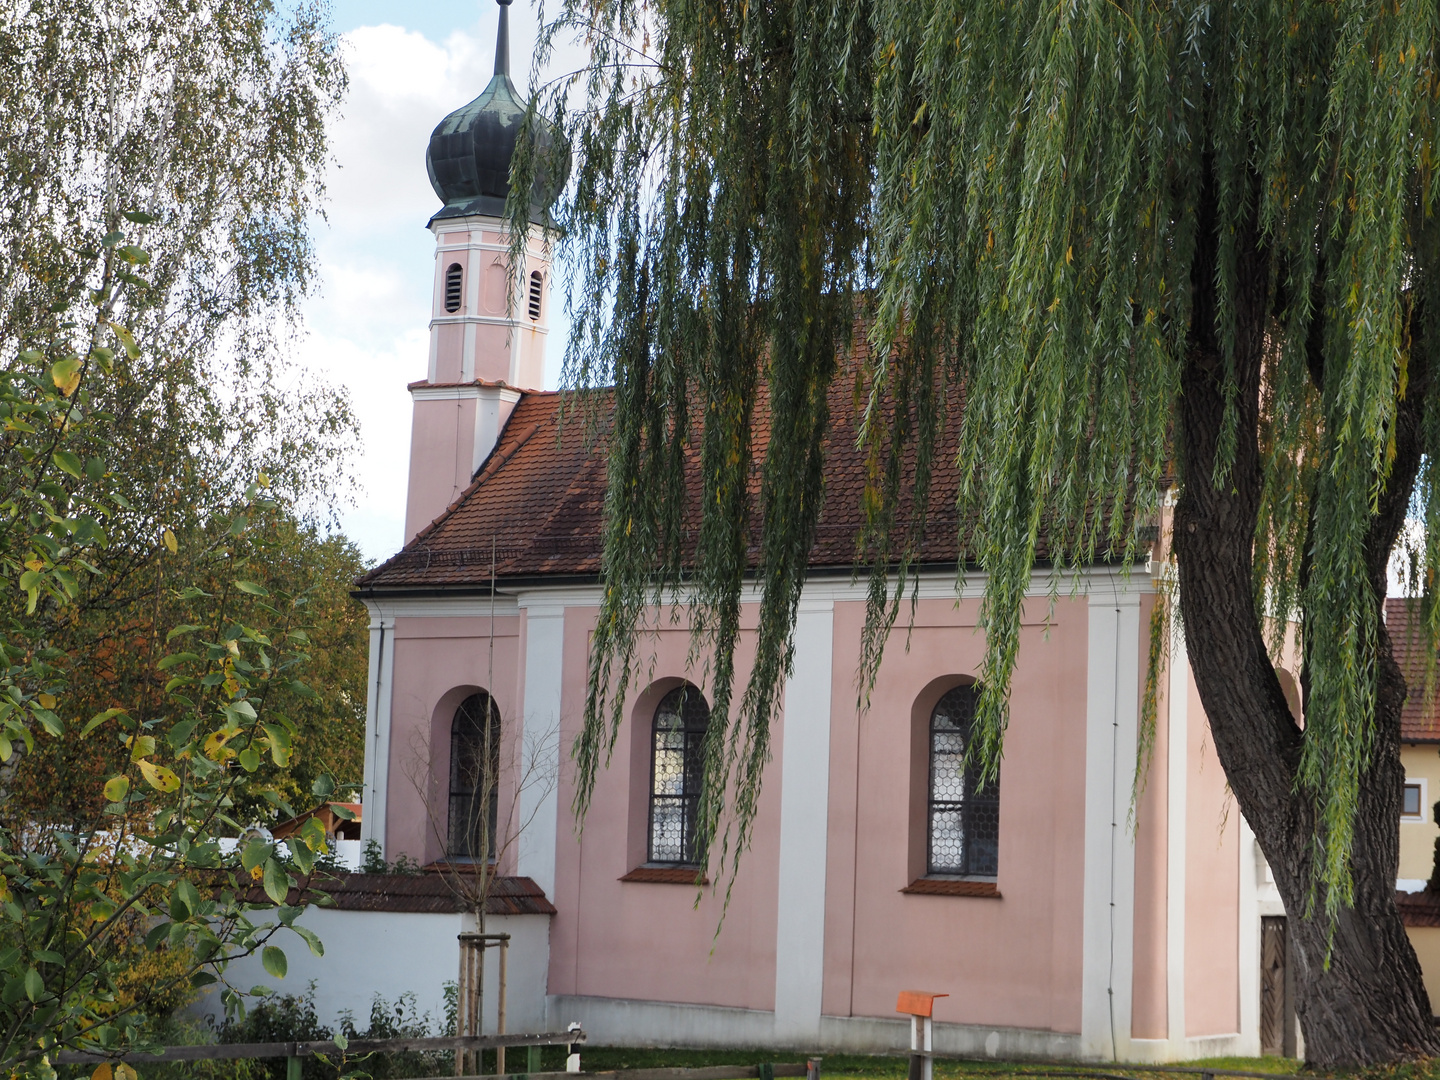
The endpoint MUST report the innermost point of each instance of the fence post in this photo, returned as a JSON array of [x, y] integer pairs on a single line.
[[532, 1059], [812, 1069], [292, 1068], [500, 1011]]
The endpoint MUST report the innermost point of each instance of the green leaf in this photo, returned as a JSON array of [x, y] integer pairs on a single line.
[[323, 787], [167, 662], [317, 947], [180, 733], [344, 813], [138, 217], [187, 628], [8, 958], [116, 788], [301, 853], [110, 239], [202, 978], [135, 256], [34, 985], [127, 341], [252, 588], [188, 894], [239, 525], [249, 759], [253, 854], [100, 718], [68, 462], [50, 722], [94, 470], [241, 708], [277, 882]]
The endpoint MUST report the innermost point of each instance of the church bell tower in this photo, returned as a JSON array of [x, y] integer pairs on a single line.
[[487, 325]]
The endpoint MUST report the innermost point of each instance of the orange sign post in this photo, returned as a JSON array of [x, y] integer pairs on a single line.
[[920, 1005]]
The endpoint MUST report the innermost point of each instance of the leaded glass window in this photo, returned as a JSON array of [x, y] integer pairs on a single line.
[[474, 772], [676, 757], [964, 821]]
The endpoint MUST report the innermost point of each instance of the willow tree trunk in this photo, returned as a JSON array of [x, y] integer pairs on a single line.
[[1369, 1005]]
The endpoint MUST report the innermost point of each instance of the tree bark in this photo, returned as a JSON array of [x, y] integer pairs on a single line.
[[1369, 1004]]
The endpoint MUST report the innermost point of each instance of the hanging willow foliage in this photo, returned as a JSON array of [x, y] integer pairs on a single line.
[[1002, 198]]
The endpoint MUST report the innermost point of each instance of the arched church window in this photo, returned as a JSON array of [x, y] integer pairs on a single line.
[[537, 283], [474, 776], [676, 763], [964, 820], [454, 280]]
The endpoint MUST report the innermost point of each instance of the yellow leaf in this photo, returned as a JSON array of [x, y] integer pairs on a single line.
[[142, 746], [47, 701], [102, 1072], [116, 788], [216, 741], [35, 564], [258, 872], [159, 777], [65, 374], [170, 542], [125, 1072]]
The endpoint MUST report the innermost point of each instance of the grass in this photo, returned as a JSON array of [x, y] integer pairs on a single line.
[[876, 1067]]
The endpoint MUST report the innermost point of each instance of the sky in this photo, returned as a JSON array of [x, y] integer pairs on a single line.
[[367, 325]]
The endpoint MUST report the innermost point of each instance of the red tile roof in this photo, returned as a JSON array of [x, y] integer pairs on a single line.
[[1419, 909], [540, 496], [431, 892], [1419, 719]]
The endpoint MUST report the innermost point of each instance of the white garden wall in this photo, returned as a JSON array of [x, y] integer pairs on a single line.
[[392, 953]]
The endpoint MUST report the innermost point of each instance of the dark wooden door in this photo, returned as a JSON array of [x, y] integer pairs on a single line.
[[1273, 1010]]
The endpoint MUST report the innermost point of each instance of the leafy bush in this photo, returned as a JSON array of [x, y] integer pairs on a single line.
[[281, 1018]]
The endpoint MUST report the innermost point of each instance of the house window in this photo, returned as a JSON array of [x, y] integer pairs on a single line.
[[454, 278], [1412, 804], [963, 836], [474, 772], [537, 282], [676, 764]]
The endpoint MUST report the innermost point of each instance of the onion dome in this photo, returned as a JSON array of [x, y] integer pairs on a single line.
[[468, 158]]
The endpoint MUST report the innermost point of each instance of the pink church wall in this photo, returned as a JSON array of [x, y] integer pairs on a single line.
[[1149, 1010], [449, 346], [1212, 888], [1009, 961], [644, 940], [441, 449], [438, 663]]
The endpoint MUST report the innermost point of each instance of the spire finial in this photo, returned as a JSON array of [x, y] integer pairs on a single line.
[[502, 40]]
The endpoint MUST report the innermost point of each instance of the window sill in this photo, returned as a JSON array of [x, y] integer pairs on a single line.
[[952, 887], [668, 875]]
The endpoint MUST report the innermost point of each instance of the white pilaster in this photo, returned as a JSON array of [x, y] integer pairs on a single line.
[[1112, 711], [1177, 775], [804, 822], [539, 816], [380, 681]]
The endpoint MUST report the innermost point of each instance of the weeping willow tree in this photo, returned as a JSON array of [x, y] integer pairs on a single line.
[[1174, 247]]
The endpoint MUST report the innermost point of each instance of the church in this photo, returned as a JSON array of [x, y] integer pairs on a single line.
[[1059, 920]]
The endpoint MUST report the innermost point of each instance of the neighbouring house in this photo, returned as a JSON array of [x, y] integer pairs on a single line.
[[336, 826], [1420, 753], [1055, 927]]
